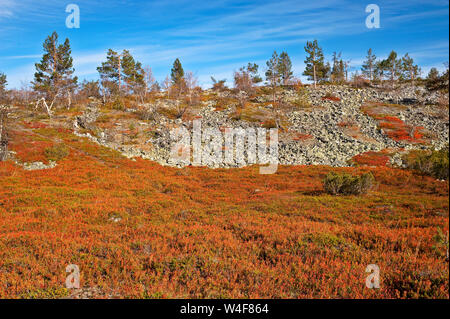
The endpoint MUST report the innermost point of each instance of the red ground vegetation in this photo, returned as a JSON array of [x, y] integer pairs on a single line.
[[399, 131], [394, 127], [137, 229], [302, 137], [331, 98], [371, 159]]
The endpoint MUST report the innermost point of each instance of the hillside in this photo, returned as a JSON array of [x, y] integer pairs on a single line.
[[93, 186]]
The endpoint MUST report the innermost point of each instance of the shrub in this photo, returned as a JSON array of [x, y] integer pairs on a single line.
[[360, 82], [218, 85], [270, 123], [438, 83], [56, 152], [433, 163], [173, 112], [118, 105], [347, 184], [223, 103]]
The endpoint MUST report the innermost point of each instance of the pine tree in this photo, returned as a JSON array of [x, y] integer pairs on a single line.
[[380, 69], [273, 75], [252, 70], [177, 77], [392, 67], [133, 73], [285, 68], [433, 74], [315, 68], [111, 72], [121, 73], [177, 73], [368, 66], [436, 81], [90, 89], [338, 69], [54, 74], [410, 70]]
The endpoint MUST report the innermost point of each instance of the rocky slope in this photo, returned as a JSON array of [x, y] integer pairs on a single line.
[[342, 122]]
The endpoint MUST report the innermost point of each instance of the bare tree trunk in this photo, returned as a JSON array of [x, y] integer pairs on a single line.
[[69, 99], [103, 95], [274, 85], [48, 108], [392, 77], [314, 74], [120, 75]]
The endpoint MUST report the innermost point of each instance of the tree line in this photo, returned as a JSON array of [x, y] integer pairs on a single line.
[[121, 75]]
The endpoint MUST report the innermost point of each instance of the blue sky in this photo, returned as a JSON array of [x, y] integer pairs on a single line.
[[214, 38]]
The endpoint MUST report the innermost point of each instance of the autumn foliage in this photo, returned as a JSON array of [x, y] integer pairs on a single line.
[[140, 230], [371, 159], [392, 126]]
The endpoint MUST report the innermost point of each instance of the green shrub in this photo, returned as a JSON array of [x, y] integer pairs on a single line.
[[118, 105], [347, 184], [56, 152], [146, 114], [433, 163]]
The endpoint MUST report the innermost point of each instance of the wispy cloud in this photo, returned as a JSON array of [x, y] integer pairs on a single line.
[[22, 57], [6, 8], [217, 37]]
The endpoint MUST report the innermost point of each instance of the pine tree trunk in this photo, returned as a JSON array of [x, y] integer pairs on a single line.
[[120, 78], [392, 77], [314, 74]]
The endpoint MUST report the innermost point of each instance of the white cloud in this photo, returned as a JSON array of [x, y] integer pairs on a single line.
[[22, 57], [6, 8]]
